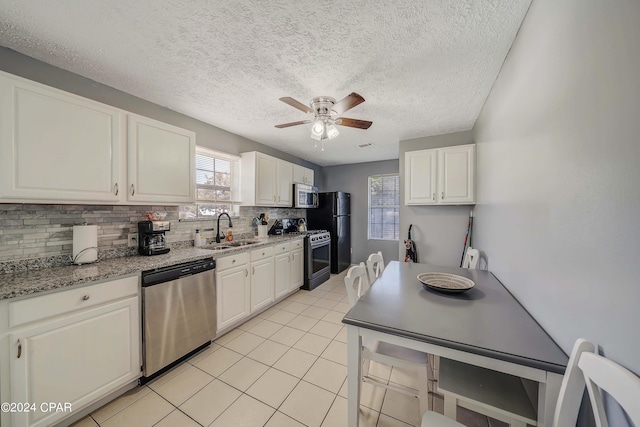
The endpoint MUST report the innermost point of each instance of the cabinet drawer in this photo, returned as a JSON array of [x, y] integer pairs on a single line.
[[258, 254], [297, 244], [37, 308], [281, 248], [232, 261]]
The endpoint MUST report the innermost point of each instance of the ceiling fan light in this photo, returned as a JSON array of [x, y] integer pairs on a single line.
[[332, 131], [317, 129]]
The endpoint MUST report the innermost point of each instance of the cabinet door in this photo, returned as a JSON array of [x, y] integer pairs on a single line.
[[456, 171], [297, 269], [302, 175], [161, 162], [233, 295], [56, 146], [77, 359], [285, 184], [283, 274], [420, 177], [266, 175], [262, 289]]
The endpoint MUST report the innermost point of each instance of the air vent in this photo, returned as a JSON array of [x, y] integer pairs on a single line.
[[368, 144]]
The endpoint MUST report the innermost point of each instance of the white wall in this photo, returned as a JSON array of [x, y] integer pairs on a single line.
[[558, 208], [438, 231]]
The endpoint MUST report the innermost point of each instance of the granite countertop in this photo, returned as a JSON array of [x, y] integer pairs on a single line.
[[30, 282]]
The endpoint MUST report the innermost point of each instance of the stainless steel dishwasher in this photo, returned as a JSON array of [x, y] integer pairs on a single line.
[[178, 314]]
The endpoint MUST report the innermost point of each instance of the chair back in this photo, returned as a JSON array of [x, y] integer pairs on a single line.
[[572, 388], [375, 266], [471, 258], [623, 385], [356, 282], [585, 367]]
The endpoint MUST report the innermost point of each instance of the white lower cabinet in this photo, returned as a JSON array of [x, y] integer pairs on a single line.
[[262, 279], [233, 289], [282, 269], [252, 281], [297, 269], [297, 265], [62, 363]]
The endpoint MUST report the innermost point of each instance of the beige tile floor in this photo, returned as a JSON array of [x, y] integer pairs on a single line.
[[285, 367]]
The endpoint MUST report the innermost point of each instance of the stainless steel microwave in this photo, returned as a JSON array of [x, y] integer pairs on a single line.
[[305, 196]]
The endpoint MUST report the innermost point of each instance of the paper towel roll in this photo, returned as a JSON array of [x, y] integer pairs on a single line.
[[85, 243]]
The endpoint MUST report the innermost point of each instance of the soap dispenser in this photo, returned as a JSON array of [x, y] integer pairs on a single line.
[[197, 240]]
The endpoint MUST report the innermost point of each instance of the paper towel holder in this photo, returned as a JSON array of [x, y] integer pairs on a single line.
[[74, 259], [84, 241]]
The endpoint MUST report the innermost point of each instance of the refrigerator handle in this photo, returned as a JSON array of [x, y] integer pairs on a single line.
[[338, 230]]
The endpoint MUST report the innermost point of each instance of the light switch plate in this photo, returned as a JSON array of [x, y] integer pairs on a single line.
[[132, 240]]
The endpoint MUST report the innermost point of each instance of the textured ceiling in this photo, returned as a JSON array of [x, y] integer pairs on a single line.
[[425, 67]]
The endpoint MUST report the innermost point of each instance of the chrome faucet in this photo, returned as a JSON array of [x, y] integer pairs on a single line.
[[218, 226]]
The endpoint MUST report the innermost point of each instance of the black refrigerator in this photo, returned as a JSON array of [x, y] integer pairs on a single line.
[[334, 215]]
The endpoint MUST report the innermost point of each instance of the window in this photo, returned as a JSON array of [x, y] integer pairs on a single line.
[[384, 207], [217, 185]]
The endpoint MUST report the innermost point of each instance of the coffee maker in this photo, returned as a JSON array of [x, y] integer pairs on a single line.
[[151, 237]]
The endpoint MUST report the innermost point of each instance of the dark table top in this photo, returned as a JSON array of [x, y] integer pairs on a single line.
[[485, 320]]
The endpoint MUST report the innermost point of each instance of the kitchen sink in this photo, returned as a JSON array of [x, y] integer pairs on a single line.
[[220, 247], [243, 243]]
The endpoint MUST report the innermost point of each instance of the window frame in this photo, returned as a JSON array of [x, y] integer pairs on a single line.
[[395, 206], [235, 201]]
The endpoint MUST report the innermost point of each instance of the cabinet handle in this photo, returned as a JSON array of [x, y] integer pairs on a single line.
[[253, 271], [434, 197], [116, 188], [278, 198], [443, 195], [233, 261], [246, 272], [274, 198], [85, 298], [19, 348], [133, 190]]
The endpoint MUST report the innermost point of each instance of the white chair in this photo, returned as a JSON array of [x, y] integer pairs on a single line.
[[585, 367], [375, 266], [471, 258], [357, 283]]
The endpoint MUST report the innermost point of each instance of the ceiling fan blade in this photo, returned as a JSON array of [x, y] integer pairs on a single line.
[[354, 123], [286, 125], [347, 103], [296, 104]]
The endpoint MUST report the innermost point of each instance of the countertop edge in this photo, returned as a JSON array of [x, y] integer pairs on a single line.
[[30, 283], [550, 367]]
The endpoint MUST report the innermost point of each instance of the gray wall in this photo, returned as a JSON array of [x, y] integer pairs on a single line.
[[206, 135], [437, 230], [353, 179], [558, 173]]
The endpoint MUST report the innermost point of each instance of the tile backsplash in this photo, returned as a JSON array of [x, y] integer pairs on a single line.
[[36, 232]]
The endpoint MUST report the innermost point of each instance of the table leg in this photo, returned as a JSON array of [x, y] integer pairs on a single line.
[[548, 393], [354, 360]]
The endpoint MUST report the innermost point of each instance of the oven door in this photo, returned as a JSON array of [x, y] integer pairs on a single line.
[[321, 257], [317, 263], [305, 196]]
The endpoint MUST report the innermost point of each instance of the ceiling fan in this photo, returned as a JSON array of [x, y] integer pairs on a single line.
[[325, 111]]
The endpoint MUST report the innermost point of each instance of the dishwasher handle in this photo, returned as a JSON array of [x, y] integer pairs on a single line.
[[173, 272]]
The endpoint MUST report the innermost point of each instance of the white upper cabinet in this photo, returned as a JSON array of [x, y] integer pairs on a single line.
[[420, 174], [302, 175], [266, 180], [440, 176], [284, 181], [456, 174], [161, 162], [56, 146]]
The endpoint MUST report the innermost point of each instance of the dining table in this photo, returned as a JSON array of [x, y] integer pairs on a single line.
[[485, 326]]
